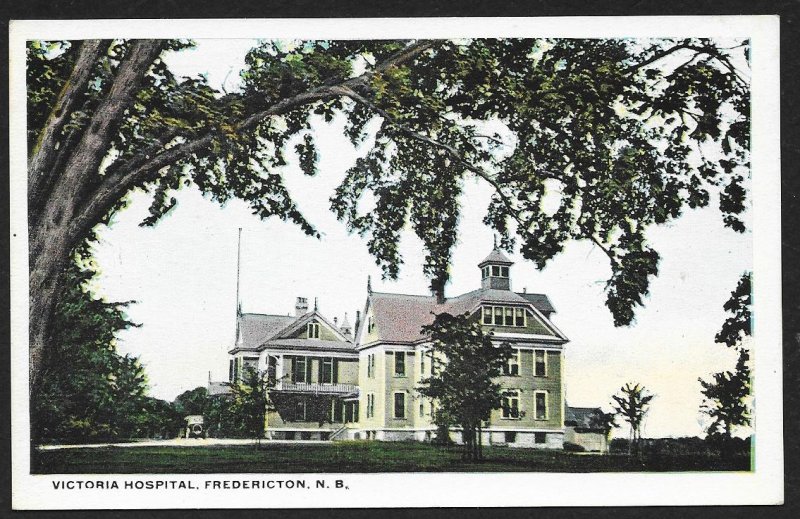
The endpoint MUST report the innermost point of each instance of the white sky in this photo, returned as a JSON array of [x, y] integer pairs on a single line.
[[182, 273]]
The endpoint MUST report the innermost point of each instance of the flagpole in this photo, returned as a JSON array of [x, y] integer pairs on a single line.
[[238, 270]]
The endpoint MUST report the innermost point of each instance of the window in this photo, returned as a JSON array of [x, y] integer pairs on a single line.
[[539, 437], [504, 316], [495, 271], [272, 369], [231, 371], [313, 330], [421, 409], [301, 369], [399, 405], [370, 405], [422, 363], [337, 411], [511, 437], [328, 370], [540, 402], [539, 363], [510, 405], [371, 365], [300, 411], [512, 367], [400, 364], [237, 368], [370, 324], [503, 272]]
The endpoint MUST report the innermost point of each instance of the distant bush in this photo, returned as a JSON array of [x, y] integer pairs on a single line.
[[656, 447], [573, 447]]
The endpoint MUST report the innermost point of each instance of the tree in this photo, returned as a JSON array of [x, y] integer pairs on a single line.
[[88, 391], [604, 421], [726, 395], [463, 385], [250, 402], [625, 134], [632, 404], [194, 401]]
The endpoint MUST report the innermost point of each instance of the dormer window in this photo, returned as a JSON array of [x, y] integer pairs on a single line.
[[504, 316], [313, 330]]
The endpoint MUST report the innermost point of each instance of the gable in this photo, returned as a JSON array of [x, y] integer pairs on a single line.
[[299, 329], [325, 332]]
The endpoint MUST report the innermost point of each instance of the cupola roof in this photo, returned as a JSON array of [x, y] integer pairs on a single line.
[[496, 257]]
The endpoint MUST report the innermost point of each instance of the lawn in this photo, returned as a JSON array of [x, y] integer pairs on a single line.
[[355, 456]]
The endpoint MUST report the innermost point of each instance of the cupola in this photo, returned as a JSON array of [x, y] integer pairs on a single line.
[[495, 271]]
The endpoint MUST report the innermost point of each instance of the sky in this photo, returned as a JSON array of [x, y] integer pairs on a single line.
[[182, 276]]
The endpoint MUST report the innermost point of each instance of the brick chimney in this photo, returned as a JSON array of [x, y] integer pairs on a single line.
[[301, 306]]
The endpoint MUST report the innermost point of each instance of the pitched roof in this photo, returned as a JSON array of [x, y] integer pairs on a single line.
[[218, 388], [496, 256], [540, 301], [399, 317], [581, 417], [254, 329]]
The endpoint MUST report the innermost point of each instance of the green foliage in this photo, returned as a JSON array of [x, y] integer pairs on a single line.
[[194, 401], [317, 407], [465, 365], [594, 140], [250, 402], [738, 325], [89, 391], [604, 421], [632, 404], [726, 395]]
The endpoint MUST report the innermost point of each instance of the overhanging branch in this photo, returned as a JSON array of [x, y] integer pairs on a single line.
[[122, 177]]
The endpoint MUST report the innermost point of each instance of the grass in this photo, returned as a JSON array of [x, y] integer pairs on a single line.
[[355, 457]]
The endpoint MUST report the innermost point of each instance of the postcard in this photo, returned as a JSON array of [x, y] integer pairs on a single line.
[[395, 262]]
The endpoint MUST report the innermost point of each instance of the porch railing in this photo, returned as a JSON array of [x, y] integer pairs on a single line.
[[316, 387]]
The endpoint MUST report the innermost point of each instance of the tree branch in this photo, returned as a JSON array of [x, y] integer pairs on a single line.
[[121, 178], [659, 55], [452, 152]]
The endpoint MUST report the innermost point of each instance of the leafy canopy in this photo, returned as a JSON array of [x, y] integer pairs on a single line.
[[89, 390], [579, 139], [465, 365], [726, 395]]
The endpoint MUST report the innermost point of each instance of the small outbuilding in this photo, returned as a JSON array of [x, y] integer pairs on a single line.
[[583, 431]]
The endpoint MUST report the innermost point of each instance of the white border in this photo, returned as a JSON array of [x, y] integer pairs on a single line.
[[763, 486]]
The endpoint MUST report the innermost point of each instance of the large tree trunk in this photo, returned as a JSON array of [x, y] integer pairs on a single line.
[[60, 188]]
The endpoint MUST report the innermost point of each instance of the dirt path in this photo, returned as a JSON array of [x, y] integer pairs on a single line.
[[178, 442]]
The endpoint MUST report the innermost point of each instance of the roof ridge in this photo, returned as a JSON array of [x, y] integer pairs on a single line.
[[264, 315], [401, 294]]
